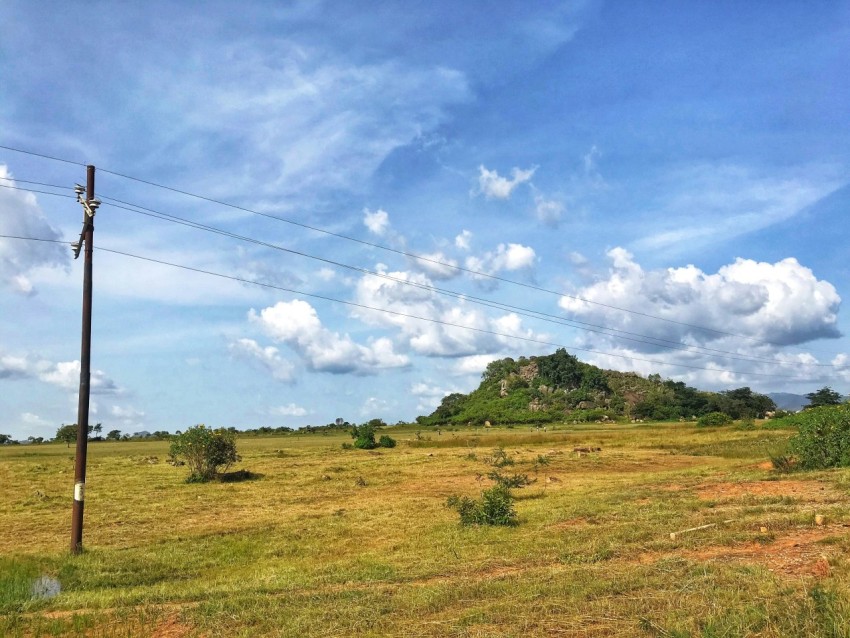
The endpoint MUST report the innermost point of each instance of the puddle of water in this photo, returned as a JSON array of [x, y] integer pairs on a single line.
[[46, 587]]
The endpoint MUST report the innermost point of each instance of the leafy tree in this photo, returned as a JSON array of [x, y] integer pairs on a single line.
[[97, 428], [35, 440], [741, 403], [208, 452], [824, 396], [562, 370], [114, 435], [823, 438], [66, 434], [364, 436], [5, 439], [451, 405]]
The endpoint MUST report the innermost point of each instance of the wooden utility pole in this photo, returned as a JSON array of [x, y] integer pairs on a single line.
[[90, 205]]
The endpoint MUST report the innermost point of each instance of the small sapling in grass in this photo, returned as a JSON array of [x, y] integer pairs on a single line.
[[499, 458], [495, 507], [510, 481]]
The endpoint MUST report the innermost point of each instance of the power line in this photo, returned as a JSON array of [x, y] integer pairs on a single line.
[[395, 250], [55, 159], [406, 315], [31, 190], [581, 325], [25, 181], [656, 341]]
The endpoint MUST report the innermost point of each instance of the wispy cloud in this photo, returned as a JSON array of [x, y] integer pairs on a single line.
[[494, 186], [711, 202]]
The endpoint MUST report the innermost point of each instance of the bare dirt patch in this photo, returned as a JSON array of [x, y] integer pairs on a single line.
[[814, 491], [572, 522], [170, 627], [797, 553]]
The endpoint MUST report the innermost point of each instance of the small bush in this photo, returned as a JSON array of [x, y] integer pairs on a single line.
[[496, 507], [208, 452], [714, 418], [823, 438], [364, 436], [512, 481], [746, 424], [783, 463], [386, 441], [499, 458]]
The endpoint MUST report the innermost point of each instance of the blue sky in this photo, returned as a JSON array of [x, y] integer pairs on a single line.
[[605, 163]]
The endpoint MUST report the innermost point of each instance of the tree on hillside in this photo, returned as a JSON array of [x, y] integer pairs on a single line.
[[499, 369], [451, 405], [824, 396], [563, 370]]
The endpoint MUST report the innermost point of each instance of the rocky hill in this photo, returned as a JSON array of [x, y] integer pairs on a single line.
[[559, 387]]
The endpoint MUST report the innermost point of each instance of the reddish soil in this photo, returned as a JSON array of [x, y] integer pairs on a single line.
[[803, 490], [796, 553], [170, 628]]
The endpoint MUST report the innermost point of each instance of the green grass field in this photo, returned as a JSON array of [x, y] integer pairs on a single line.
[[333, 542]]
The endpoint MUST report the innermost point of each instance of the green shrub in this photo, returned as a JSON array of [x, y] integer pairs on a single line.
[[364, 436], [499, 458], [509, 481], [782, 463], [714, 418], [746, 424], [823, 438], [496, 507], [207, 452], [386, 441]]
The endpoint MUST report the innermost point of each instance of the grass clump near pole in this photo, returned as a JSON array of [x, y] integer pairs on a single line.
[[208, 453]]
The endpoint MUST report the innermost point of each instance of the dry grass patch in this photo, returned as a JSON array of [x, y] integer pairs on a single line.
[[308, 550], [812, 491]]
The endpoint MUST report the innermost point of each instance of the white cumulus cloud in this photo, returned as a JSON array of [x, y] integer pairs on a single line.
[[735, 325], [436, 265], [548, 211], [434, 325], [781, 303], [297, 324], [506, 257], [66, 375], [462, 241], [494, 186], [21, 216], [62, 374], [376, 221], [267, 358], [288, 410]]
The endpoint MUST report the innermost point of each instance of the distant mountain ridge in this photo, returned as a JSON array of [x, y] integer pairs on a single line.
[[789, 401]]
